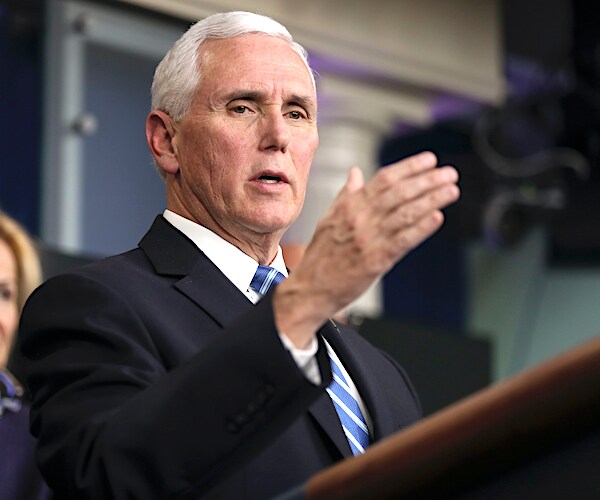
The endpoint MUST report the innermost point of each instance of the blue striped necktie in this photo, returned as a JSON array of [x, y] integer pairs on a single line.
[[264, 278], [346, 405], [352, 419]]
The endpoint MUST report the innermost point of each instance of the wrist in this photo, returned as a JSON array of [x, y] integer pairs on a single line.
[[297, 314]]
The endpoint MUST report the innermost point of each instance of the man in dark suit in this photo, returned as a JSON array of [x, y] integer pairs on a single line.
[[170, 371]]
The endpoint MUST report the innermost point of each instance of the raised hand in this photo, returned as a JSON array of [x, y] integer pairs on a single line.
[[368, 228]]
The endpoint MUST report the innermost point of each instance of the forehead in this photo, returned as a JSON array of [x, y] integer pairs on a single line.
[[254, 56]]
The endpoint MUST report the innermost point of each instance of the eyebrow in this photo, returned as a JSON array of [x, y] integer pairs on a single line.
[[304, 101], [254, 95]]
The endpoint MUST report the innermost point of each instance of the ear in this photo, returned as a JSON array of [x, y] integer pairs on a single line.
[[160, 132]]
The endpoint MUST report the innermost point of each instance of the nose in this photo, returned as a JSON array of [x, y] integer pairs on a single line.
[[275, 133]]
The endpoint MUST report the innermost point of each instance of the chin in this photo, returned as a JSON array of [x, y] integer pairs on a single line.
[[272, 228], [273, 221], [274, 225]]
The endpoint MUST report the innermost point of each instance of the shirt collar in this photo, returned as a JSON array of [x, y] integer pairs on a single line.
[[238, 267]]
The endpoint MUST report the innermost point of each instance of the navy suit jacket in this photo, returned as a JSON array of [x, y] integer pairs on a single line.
[[155, 378]]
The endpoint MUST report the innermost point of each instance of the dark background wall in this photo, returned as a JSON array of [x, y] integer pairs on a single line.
[[21, 86]]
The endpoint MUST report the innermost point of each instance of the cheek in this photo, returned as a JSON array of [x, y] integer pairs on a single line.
[[227, 151], [224, 167], [9, 318], [304, 157]]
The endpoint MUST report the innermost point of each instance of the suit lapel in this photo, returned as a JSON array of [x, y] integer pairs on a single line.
[[217, 295], [169, 250], [174, 254]]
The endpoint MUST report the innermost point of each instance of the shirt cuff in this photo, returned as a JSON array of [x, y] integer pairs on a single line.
[[305, 358]]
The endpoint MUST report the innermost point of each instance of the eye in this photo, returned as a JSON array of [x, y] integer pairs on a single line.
[[240, 109], [6, 294], [296, 115]]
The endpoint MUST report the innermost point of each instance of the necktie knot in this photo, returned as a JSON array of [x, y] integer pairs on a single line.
[[264, 278]]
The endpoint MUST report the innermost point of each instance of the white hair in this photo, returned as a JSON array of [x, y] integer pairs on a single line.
[[179, 73]]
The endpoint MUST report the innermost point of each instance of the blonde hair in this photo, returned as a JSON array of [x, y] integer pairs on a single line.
[[29, 272]]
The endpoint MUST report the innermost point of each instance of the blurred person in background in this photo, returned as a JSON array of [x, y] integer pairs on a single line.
[[19, 274]]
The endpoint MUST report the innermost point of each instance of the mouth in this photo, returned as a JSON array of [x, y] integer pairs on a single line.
[[271, 178]]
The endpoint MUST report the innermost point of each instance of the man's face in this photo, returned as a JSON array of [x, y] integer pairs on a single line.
[[246, 145]]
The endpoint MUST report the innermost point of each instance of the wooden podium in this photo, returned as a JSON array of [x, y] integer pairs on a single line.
[[536, 435]]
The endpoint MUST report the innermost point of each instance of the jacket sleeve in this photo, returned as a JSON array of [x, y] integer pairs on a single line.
[[112, 422]]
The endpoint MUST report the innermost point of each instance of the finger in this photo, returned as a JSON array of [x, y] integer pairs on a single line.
[[355, 180], [390, 193], [412, 236], [413, 165], [410, 213], [354, 183]]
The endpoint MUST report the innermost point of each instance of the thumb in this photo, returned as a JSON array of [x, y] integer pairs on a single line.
[[355, 181]]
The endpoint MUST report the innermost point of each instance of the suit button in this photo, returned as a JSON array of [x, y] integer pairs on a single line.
[[264, 394]]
